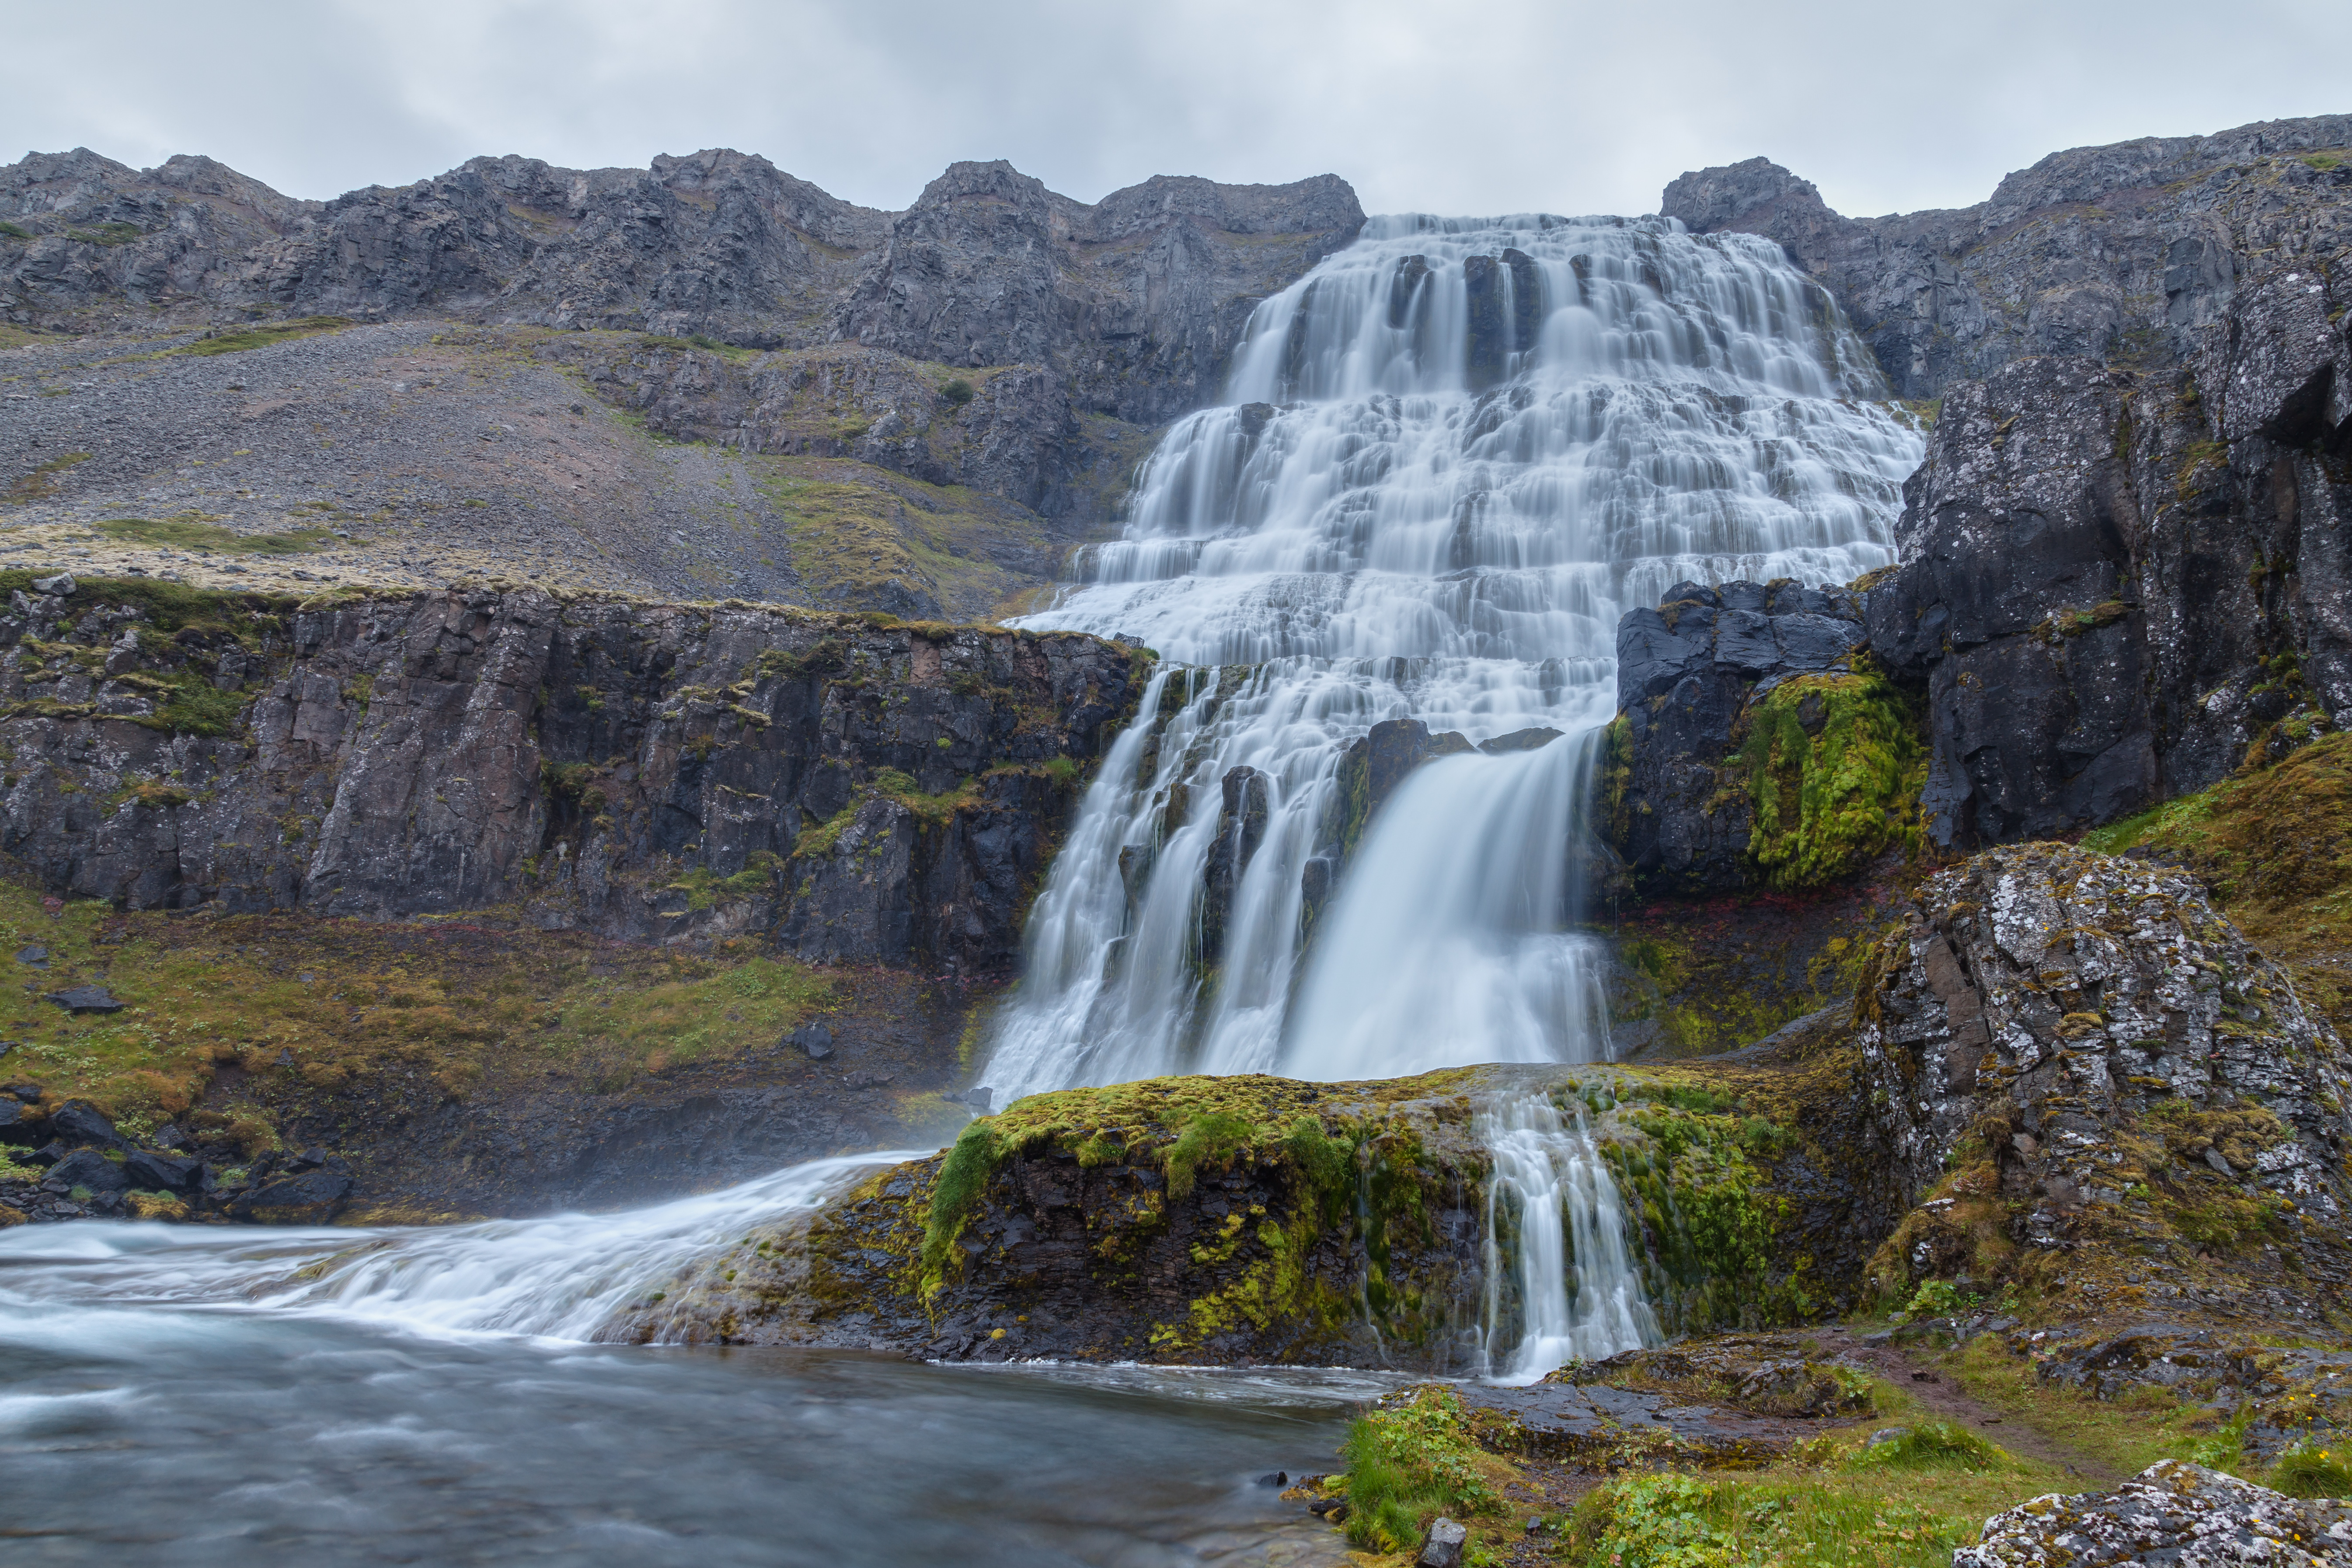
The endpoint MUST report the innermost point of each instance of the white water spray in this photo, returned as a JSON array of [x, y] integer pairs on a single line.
[[1578, 1289], [564, 1277], [1447, 459]]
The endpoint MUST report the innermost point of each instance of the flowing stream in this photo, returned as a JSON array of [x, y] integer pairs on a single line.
[[1449, 459]]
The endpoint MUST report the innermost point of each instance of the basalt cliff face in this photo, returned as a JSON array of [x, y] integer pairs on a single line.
[[2125, 568], [2123, 252], [848, 792]]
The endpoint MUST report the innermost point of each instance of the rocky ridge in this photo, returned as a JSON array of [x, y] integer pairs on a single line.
[[854, 790], [2122, 252]]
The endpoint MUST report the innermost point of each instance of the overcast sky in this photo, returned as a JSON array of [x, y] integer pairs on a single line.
[[1500, 106]]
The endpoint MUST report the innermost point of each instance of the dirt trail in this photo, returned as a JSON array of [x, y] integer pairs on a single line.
[[1946, 1400]]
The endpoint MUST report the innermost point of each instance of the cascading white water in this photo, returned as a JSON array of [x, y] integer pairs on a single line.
[[565, 1277], [1448, 458], [1577, 1290]]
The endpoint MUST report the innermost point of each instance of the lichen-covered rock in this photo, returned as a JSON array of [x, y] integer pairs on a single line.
[[2174, 1514], [2075, 1056], [1748, 750], [858, 790]]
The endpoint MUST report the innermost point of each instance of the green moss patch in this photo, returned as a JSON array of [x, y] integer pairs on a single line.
[[42, 482], [190, 531], [1833, 765], [262, 336]]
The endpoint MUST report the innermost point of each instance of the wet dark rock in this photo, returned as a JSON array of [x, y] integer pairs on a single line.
[[813, 1040], [88, 1168], [2115, 586], [1519, 740], [153, 1170], [33, 957], [18, 1122], [77, 1122], [86, 999], [313, 1197]]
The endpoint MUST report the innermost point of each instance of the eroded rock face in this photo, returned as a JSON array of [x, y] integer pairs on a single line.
[[1685, 674], [2116, 587], [2132, 247], [2181, 1515], [2070, 1051], [859, 793]]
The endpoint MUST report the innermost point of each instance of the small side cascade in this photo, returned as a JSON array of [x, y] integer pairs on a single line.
[[1578, 1286]]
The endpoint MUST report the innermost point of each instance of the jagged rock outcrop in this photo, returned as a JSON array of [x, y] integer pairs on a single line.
[[853, 790], [2115, 587], [1137, 298], [1131, 303], [2077, 1063], [1679, 801], [2177, 1515], [2126, 251]]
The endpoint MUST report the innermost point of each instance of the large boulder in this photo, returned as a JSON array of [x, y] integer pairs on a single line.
[[2173, 1514]]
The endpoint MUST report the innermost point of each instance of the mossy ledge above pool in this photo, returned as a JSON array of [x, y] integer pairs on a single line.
[[2059, 1067]]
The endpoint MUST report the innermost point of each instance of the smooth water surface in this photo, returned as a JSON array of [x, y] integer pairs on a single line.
[[204, 1435]]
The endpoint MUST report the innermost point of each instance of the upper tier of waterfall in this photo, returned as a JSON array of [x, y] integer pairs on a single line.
[[1448, 458]]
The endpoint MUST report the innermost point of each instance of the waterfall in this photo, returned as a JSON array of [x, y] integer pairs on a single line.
[[1571, 1277], [1446, 460], [565, 1277]]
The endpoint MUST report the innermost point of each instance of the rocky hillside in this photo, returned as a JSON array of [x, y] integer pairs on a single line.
[[918, 411], [848, 790], [2124, 253]]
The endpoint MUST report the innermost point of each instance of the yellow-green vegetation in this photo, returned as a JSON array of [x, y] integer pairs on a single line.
[[1409, 1462], [2275, 846], [1693, 1181], [1176, 1125], [1906, 1503], [2124, 1435], [1833, 765], [859, 532], [42, 482], [194, 531], [262, 335], [1354, 1172], [331, 1004], [1834, 1501], [1709, 979]]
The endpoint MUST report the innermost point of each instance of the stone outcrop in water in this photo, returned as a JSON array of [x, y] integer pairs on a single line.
[[2126, 251], [853, 789]]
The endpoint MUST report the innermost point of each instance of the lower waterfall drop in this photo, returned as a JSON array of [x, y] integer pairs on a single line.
[[1579, 1288]]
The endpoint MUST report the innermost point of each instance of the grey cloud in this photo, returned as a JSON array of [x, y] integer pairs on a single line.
[[1514, 105]]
